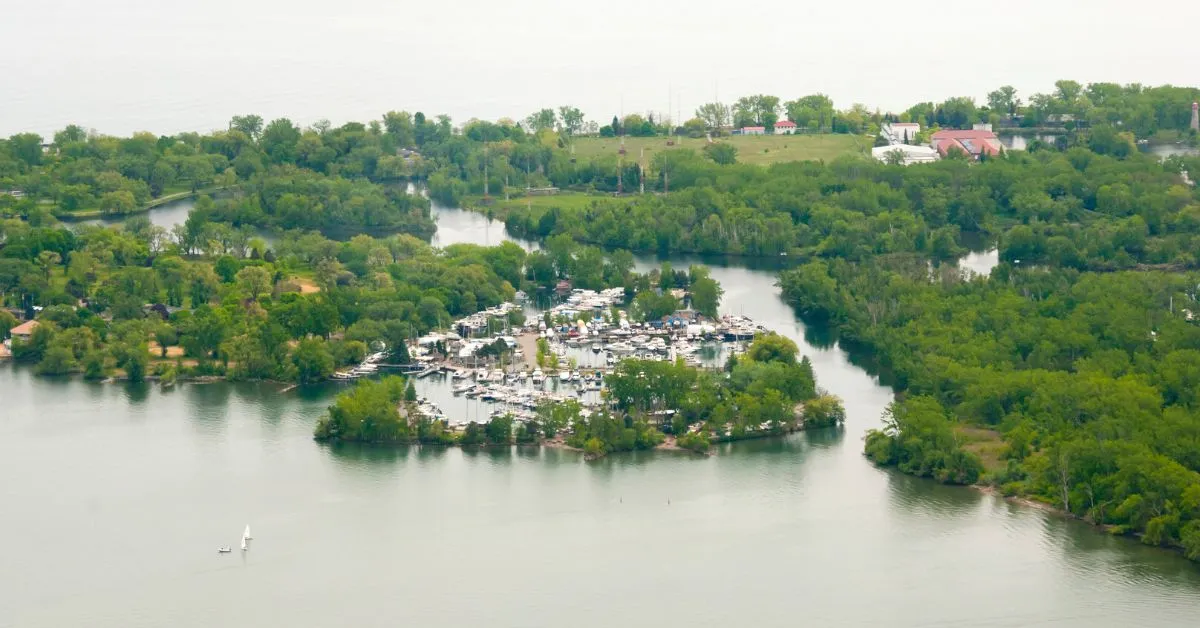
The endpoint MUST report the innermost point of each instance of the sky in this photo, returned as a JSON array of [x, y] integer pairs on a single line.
[[120, 66]]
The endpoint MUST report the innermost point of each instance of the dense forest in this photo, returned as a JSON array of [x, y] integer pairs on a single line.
[[1075, 208], [1091, 379]]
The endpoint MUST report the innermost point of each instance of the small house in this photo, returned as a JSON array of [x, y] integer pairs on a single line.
[[23, 331], [752, 130], [785, 127]]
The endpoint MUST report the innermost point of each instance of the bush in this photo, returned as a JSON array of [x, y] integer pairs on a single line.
[[694, 441]]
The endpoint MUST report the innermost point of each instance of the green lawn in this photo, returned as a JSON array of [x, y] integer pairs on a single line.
[[752, 149]]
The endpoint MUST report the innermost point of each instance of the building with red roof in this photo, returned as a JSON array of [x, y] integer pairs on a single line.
[[785, 127], [973, 143]]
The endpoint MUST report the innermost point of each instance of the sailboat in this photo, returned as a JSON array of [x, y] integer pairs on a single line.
[[246, 534], [244, 548]]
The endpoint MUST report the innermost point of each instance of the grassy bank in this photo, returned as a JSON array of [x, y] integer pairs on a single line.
[[752, 149], [92, 214], [498, 208]]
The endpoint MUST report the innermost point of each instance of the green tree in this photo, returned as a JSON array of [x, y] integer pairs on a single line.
[[1004, 100], [255, 281], [714, 115], [706, 295], [541, 119], [773, 348], [722, 153], [313, 361], [571, 118], [251, 125]]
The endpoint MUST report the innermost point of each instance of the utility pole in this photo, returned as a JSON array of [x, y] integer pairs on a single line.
[[642, 172]]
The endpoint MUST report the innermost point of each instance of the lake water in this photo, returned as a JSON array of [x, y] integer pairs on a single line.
[[116, 497]]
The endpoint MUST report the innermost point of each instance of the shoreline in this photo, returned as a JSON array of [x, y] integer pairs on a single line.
[[93, 214], [1048, 509]]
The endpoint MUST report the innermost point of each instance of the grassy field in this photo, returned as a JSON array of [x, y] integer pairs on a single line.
[[752, 149], [987, 444]]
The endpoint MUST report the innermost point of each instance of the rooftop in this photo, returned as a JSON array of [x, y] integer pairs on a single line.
[[24, 329]]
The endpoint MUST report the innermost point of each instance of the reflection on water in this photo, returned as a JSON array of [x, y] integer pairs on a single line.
[[360, 454], [929, 500]]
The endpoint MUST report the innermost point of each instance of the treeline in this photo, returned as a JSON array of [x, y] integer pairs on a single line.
[[1142, 110], [1090, 378], [292, 312]]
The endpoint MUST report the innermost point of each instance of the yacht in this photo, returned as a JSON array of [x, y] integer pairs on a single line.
[[224, 550], [537, 377]]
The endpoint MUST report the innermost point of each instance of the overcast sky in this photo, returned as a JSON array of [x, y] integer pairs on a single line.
[[125, 65]]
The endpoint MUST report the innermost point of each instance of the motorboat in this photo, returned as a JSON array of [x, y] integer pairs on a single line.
[[537, 377], [564, 376], [224, 550]]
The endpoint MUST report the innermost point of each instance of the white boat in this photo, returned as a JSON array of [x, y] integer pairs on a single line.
[[564, 376], [461, 388], [224, 550], [538, 377], [244, 547], [620, 347], [246, 534]]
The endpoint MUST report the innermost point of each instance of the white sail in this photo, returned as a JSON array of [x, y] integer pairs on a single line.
[[246, 534]]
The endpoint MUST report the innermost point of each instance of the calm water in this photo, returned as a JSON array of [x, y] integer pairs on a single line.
[[166, 215], [117, 496]]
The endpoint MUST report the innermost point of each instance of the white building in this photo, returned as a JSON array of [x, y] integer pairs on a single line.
[[785, 127], [900, 132], [907, 154]]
